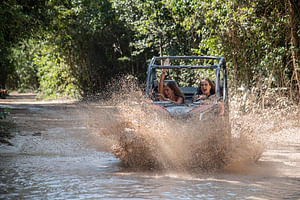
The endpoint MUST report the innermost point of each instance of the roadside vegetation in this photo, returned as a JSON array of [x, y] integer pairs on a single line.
[[74, 48]]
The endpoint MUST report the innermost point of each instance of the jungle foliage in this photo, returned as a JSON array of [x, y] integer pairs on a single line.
[[76, 47]]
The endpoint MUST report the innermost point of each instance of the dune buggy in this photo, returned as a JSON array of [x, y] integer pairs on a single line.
[[211, 140], [187, 71]]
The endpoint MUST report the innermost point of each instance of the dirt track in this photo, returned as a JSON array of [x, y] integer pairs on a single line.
[[282, 140], [276, 173], [31, 117]]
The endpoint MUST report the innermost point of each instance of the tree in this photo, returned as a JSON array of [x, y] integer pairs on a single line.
[[94, 43], [18, 20]]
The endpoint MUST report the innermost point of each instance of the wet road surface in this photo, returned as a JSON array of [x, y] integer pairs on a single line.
[[54, 156]]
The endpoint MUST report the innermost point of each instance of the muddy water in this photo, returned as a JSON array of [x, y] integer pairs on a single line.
[[57, 155]]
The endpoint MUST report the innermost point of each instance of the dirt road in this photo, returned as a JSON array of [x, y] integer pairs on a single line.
[[54, 154]]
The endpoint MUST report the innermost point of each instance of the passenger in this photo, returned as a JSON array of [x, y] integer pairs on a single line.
[[207, 91], [169, 91]]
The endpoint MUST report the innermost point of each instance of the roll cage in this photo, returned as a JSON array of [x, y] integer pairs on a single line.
[[220, 68]]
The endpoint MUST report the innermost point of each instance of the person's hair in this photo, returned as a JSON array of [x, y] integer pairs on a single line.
[[173, 86], [212, 86]]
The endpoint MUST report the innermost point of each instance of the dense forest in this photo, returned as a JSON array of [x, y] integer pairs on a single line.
[[75, 47]]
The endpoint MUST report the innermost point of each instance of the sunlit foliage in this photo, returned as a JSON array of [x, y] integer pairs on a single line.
[[95, 41]]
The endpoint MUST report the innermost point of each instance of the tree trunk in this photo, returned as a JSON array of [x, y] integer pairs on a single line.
[[293, 28]]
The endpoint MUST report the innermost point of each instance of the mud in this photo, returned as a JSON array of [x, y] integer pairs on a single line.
[[67, 141], [143, 137]]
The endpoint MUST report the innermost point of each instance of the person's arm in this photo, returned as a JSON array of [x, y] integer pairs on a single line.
[[179, 100], [161, 85], [221, 108]]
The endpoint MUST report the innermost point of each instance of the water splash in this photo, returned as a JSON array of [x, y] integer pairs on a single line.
[[143, 137]]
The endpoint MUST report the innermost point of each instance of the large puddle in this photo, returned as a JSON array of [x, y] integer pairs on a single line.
[[63, 151]]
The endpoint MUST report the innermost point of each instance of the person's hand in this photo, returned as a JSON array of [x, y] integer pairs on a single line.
[[161, 97], [167, 62], [199, 97], [202, 97], [196, 98], [164, 71]]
